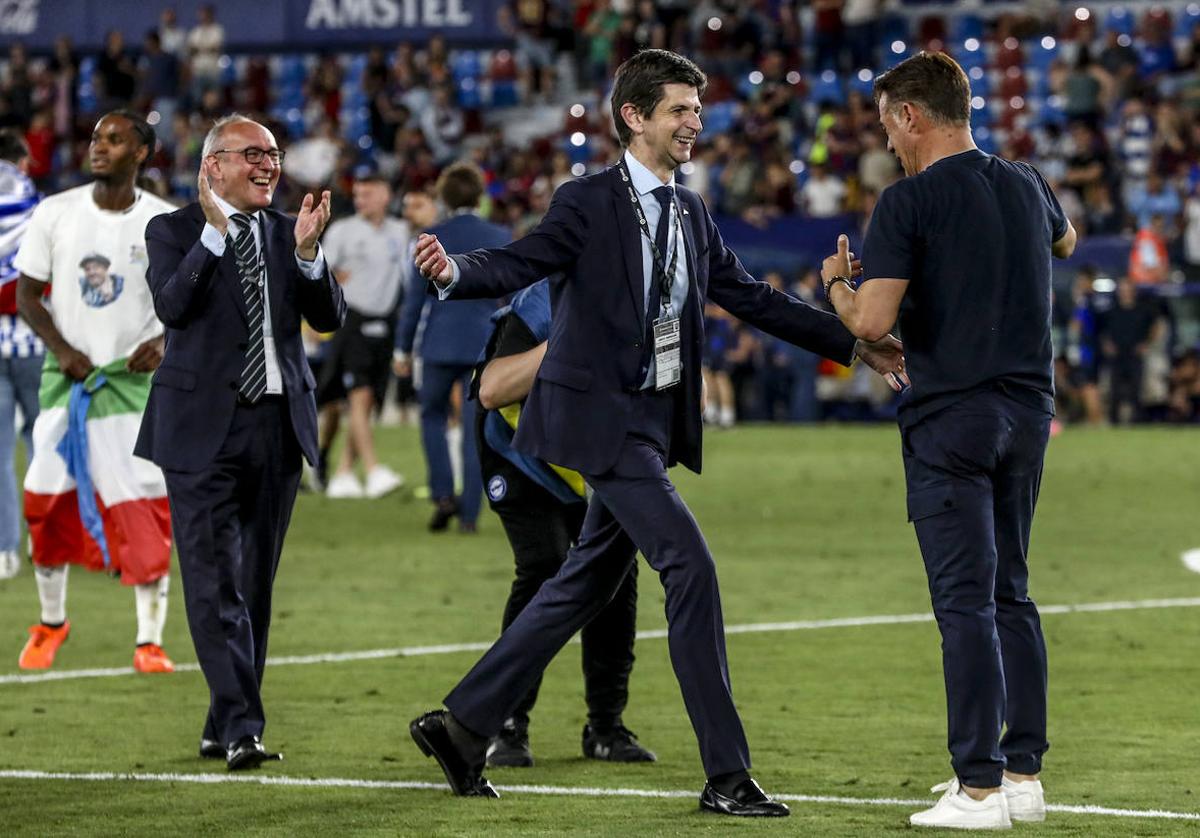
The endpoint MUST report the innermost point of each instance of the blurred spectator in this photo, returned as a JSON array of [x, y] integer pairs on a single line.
[[877, 167], [442, 125], [861, 21], [1083, 346], [205, 43], [721, 407], [824, 194], [172, 36], [1086, 89], [312, 161], [1184, 399], [1191, 235], [828, 35], [1156, 197], [158, 71], [1148, 263], [115, 73], [1126, 331]]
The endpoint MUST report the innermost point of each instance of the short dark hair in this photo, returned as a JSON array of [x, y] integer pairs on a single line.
[[12, 145], [140, 127], [932, 80], [640, 79], [460, 185]]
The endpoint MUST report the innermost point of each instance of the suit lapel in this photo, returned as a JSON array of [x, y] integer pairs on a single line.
[[631, 242], [228, 275], [689, 240]]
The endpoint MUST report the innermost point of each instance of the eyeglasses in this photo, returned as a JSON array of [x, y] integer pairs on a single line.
[[254, 154]]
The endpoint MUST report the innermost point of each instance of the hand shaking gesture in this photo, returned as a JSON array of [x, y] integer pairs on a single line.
[[431, 260]]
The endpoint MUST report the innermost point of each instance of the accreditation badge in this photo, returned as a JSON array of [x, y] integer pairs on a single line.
[[667, 360]]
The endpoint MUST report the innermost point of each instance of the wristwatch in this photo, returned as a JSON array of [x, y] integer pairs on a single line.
[[830, 283]]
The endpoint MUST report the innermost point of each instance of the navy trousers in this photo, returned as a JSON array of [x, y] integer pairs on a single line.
[[437, 380], [229, 521], [638, 505], [973, 472]]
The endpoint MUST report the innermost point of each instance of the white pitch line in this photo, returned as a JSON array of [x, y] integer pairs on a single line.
[[1191, 560], [566, 791], [651, 634]]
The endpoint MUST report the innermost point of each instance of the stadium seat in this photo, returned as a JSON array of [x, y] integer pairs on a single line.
[[827, 87], [965, 26], [720, 116], [1119, 20]]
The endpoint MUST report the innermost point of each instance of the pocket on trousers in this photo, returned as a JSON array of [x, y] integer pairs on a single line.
[[930, 501]]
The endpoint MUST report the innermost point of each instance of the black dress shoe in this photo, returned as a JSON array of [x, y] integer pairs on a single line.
[[248, 752], [465, 779], [747, 800], [618, 744], [212, 749], [446, 509]]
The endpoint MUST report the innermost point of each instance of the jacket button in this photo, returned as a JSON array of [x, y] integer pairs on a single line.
[[637, 344]]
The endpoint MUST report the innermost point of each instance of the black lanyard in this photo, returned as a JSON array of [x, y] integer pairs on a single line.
[[666, 276]]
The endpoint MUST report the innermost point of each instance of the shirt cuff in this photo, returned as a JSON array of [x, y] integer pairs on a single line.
[[314, 269], [444, 292], [211, 238]]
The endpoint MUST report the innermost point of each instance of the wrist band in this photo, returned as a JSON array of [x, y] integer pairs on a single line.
[[829, 286]]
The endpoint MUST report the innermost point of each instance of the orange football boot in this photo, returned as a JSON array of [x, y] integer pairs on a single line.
[[42, 645], [151, 658]]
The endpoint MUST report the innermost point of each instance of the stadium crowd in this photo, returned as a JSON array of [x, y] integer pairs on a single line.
[[1102, 99]]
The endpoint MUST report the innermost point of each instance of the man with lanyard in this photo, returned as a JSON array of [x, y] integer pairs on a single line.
[[542, 507], [88, 500], [21, 351]]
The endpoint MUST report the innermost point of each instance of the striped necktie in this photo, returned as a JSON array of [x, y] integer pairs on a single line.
[[254, 373]]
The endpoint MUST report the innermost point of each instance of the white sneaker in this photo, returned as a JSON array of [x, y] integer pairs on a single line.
[[344, 485], [1026, 799], [957, 810], [10, 564], [381, 480]]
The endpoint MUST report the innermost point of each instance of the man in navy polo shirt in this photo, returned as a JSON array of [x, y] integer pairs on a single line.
[[960, 252]]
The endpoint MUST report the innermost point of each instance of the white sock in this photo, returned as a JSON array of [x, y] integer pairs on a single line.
[[454, 441], [727, 416], [151, 601], [52, 591]]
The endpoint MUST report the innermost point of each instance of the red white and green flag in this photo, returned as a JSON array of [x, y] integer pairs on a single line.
[[88, 500]]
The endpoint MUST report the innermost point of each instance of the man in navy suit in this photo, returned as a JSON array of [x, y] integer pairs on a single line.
[[231, 407], [452, 337], [617, 398]]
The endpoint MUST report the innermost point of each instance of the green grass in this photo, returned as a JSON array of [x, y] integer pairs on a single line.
[[805, 524]]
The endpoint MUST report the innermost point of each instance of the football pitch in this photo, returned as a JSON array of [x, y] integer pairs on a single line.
[[834, 658]]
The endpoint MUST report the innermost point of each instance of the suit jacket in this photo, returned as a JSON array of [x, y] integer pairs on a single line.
[[578, 413], [452, 331], [198, 297]]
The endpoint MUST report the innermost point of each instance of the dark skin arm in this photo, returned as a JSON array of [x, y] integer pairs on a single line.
[[73, 363]]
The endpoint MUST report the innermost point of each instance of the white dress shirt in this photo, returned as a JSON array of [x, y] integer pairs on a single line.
[[211, 238]]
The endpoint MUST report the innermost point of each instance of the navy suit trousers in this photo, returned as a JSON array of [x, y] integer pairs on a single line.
[[229, 521], [638, 505], [437, 381], [973, 472]]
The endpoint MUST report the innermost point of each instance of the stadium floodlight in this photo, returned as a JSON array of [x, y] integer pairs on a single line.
[[688, 168], [1048, 43], [828, 76], [153, 118], [577, 110], [1011, 43], [796, 167], [978, 103], [1124, 40], [1082, 13], [793, 77], [971, 45], [865, 75], [755, 77], [714, 24], [1016, 103], [976, 73], [899, 46], [579, 170], [578, 139]]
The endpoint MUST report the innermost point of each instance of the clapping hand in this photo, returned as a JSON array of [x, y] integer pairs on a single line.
[[886, 357], [310, 223], [212, 213], [431, 260]]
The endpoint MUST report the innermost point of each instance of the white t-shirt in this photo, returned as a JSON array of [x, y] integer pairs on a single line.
[[823, 196], [1191, 232], [375, 258], [95, 261]]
